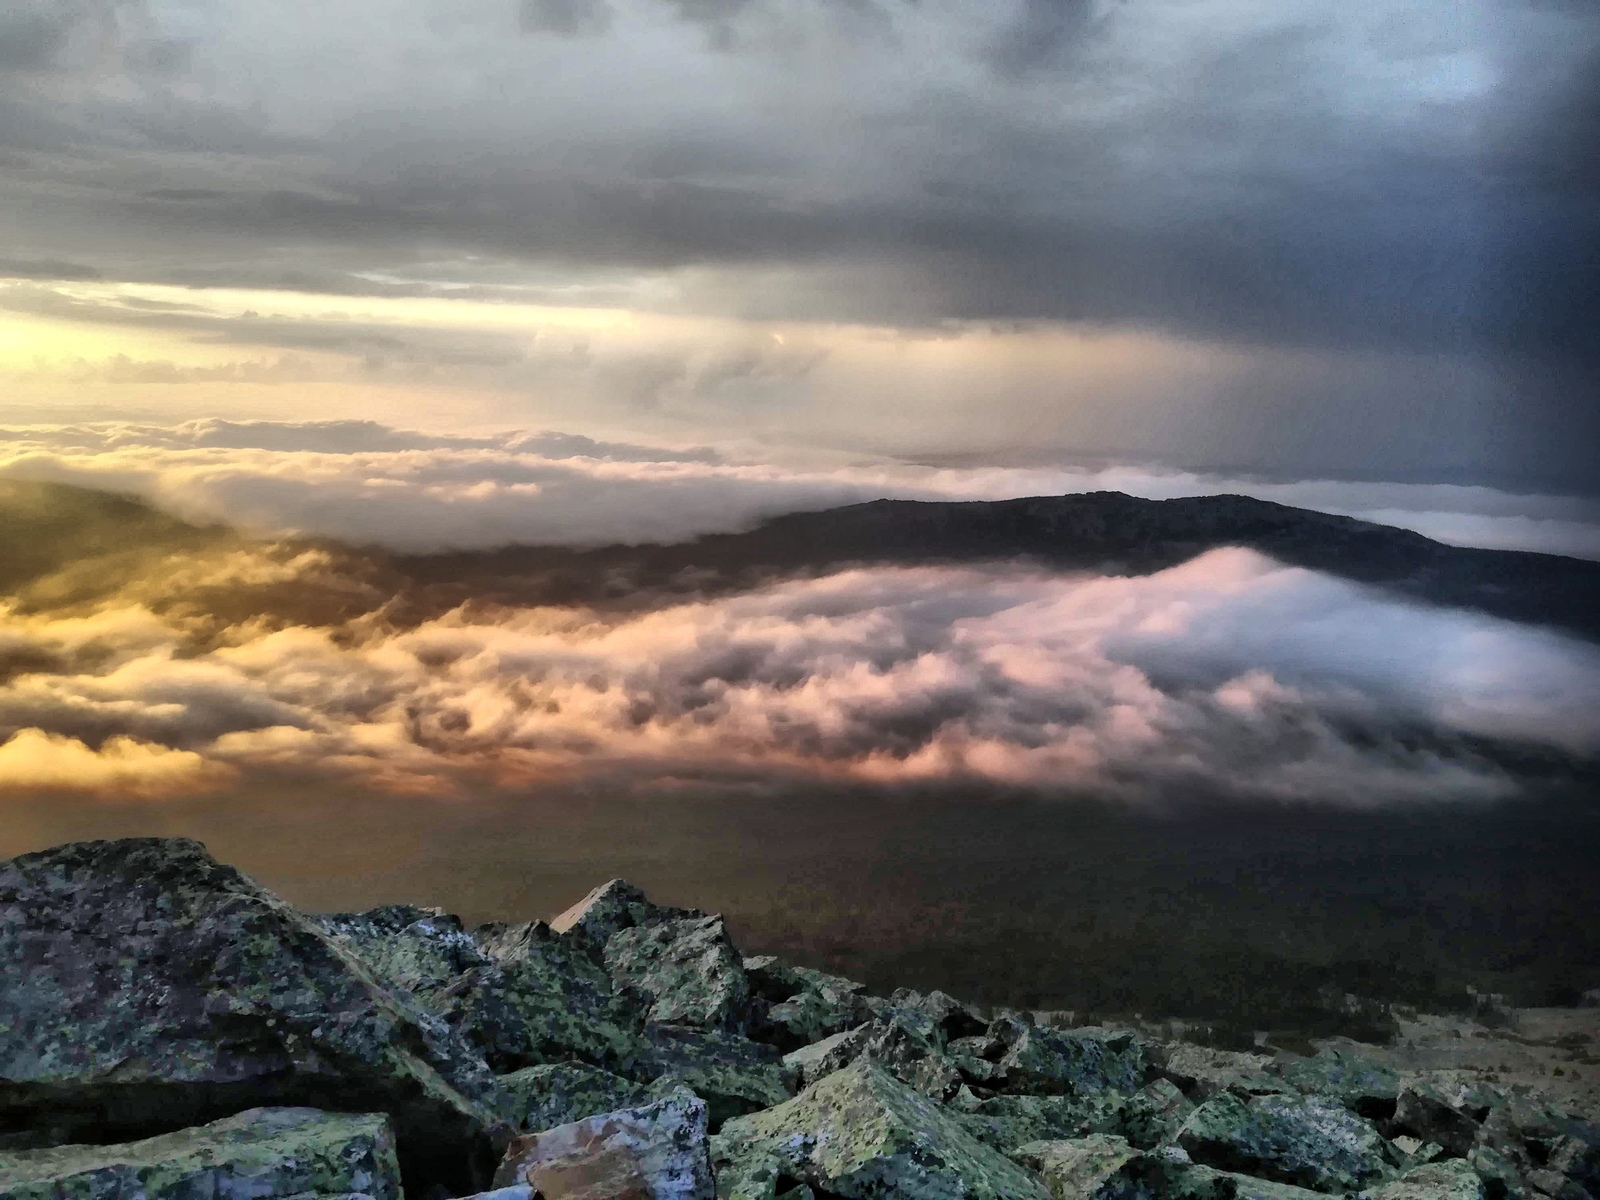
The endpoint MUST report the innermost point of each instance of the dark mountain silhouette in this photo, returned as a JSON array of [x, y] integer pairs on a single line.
[[1099, 532], [61, 545]]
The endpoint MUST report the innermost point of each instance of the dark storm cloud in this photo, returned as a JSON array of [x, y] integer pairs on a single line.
[[1409, 178]]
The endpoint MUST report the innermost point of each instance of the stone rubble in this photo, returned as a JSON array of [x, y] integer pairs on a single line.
[[169, 1030]]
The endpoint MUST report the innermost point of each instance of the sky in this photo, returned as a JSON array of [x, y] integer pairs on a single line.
[[427, 275], [1288, 241]]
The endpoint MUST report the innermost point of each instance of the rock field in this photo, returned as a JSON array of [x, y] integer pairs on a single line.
[[168, 1028]]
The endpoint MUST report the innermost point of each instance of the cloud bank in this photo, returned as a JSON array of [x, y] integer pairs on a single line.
[[1227, 676], [368, 483]]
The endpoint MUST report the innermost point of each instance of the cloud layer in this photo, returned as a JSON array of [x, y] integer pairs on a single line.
[[1227, 676], [372, 484]]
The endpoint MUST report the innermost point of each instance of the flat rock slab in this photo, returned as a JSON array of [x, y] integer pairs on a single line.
[[259, 1154], [861, 1133], [1302, 1140], [656, 1152]]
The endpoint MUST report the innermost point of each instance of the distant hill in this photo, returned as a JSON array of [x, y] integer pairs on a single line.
[[1098, 531], [61, 544]]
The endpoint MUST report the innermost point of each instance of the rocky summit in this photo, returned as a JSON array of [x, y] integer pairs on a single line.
[[170, 1029]]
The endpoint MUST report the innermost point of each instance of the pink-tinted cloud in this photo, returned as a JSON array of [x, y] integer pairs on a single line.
[[1227, 675]]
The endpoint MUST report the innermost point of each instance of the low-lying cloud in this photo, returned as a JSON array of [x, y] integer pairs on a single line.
[[368, 483], [1227, 676]]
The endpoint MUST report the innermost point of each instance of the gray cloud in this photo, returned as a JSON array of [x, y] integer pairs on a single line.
[[568, 18], [1369, 178]]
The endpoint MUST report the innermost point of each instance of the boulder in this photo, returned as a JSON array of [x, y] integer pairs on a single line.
[[655, 1152], [1302, 1140], [148, 988], [823, 1058], [1007, 1122], [1200, 1072], [1154, 1114], [559, 1093], [732, 1074], [1041, 1059], [805, 1005], [862, 1133], [609, 909], [259, 1154], [1576, 1154], [1360, 1084], [1091, 1168], [1427, 1113], [520, 997], [948, 1015], [1501, 1175], [1206, 1183], [1452, 1179], [689, 970]]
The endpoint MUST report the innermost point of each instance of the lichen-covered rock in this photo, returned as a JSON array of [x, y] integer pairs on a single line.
[[259, 1154], [1358, 1083], [559, 1093], [520, 996], [1154, 1114], [148, 987], [655, 1152], [948, 1015], [1206, 1183], [688, 968], [732, 1074], [611, 908], [862, 1133], [805, 1005], [1427, 1113], [1576, 1154], [823, 1058], [1007, 1122], [1040, 1059], [1452, 1179], [1502, 1175], [1090, 1168], [1200, 1072], [1302, 1140]]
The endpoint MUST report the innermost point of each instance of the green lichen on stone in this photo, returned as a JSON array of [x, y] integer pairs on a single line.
[[1302, 1140], [148, 987], [732, 1074], [1154, 1114], [689, 969], [519, 997], [1090, 1168], [862, 1133], [1043, 1060], [259, 1154], [1360, 1084], [559, 1093], [1203, 1071], [1007, 1122], [1452, 1179]]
